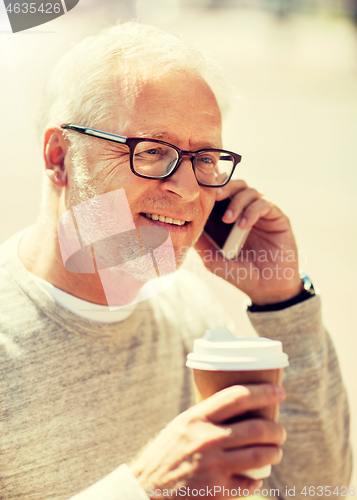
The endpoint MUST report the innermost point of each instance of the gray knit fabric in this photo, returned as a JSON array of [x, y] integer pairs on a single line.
[[315, 414], [79, 398]]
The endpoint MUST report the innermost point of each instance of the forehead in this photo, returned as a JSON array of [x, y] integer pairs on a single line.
[[176, 107]]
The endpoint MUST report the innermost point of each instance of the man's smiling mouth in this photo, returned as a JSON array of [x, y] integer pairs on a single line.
[[163, 218]]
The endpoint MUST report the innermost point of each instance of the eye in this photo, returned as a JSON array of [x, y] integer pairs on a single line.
[[207, 159], [153, 152], [149, 152]]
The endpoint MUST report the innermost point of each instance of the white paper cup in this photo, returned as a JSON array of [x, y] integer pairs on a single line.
[[220, 360]]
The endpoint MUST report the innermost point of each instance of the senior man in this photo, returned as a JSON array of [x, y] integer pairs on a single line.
[[84, 389]]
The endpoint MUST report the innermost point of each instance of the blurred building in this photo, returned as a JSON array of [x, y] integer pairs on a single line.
[[281, 7]]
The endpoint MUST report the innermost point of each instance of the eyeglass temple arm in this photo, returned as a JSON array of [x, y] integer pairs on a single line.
[[95, 133]]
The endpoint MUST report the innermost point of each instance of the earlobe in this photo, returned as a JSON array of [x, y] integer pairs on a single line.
[[54, 154]]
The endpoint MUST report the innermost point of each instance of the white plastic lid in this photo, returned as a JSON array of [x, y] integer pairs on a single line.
[[218, 350]]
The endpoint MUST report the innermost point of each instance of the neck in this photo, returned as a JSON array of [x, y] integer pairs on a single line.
[[40, 253]]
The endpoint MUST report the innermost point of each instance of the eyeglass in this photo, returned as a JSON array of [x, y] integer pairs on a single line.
[[154, 159]]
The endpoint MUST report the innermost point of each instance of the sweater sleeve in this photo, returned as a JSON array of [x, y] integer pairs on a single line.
[[121, 484], [317, 452]]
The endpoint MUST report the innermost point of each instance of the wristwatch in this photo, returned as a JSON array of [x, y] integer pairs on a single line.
[[307, 292]]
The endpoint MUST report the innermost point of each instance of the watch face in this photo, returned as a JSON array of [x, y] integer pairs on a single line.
[[307, 283]]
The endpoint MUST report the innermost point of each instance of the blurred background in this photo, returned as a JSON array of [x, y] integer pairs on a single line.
[[292, 71]]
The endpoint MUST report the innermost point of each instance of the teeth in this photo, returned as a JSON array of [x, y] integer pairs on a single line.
[[168, 220]]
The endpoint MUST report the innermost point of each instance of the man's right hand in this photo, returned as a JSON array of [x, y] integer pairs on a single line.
[[198, 450]]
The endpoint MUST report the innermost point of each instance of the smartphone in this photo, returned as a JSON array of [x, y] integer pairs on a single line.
[[227, 238]]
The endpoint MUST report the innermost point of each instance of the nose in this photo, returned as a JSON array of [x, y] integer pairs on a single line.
[[183, 181]]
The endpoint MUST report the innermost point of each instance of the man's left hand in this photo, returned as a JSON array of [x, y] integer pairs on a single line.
[[267, 267]]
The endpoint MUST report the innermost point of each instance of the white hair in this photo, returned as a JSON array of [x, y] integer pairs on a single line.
[[84, 87]]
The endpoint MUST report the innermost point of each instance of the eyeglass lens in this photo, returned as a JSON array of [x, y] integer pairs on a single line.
[[156, 160]]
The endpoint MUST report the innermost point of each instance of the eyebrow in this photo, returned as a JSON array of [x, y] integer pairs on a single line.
[[162, 136], [155, 135]]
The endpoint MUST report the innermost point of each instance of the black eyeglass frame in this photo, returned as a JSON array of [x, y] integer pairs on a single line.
[[133, 141]]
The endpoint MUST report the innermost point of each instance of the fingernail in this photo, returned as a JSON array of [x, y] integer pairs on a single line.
[[285, 435], [219, 191], [228, 214], [242, 222], [279, 391]]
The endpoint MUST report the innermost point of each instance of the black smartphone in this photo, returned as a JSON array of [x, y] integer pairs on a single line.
[[227, 238]]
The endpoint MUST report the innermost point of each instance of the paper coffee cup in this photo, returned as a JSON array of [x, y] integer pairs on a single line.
[[220, 360]]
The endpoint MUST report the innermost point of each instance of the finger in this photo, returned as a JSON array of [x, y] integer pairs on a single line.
[[254, 211], [239, 203], [253, 457], [230, 189], [254, 431], [239, 399], [246, 484]]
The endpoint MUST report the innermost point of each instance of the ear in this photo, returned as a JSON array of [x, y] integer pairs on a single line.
[[55, 150]]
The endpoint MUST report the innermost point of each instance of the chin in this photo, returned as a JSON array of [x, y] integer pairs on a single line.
[[162, 261], [180, 255], [168, 259]]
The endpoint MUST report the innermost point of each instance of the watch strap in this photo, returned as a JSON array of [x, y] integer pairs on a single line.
[[307, 292]]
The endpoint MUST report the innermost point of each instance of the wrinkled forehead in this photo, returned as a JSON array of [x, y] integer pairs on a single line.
[[171, 100]]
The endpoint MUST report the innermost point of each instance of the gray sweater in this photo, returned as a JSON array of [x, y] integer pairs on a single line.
[[79, 398]]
